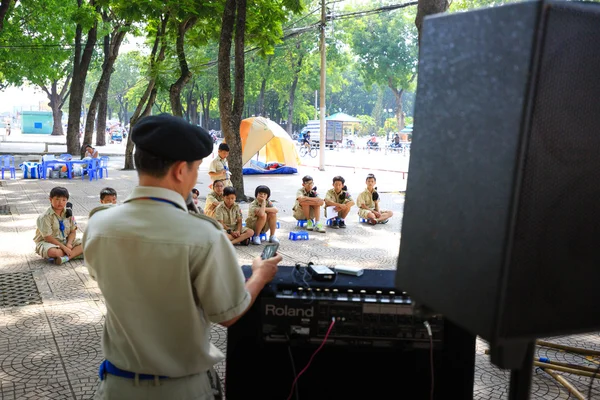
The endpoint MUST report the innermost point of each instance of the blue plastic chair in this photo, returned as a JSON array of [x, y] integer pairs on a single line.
[[7, 163], [92, 168], [104, 166]]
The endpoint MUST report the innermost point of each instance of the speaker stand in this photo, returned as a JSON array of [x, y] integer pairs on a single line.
[[520, 378]]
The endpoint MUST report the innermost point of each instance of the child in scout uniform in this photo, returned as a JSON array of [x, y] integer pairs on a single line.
[[368, 204], [340, 198], [308, 205], [55, 236], [218, 168], [262, 216], [229, 215], [108, 196], [214, 198]]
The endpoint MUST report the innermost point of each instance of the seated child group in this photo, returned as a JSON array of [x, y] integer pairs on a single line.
[[56, 228]]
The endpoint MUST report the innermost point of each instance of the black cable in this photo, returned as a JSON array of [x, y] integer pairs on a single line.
[[293, 365], [592, 381]]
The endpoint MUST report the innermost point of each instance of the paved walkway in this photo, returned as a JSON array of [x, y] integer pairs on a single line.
[[50, 346]]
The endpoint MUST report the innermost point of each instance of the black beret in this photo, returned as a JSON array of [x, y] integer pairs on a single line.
[[172, 138]]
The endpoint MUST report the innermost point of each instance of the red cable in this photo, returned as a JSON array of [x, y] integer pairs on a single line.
[[311, 358]]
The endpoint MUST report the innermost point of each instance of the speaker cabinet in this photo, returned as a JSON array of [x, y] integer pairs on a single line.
[[501, 229]]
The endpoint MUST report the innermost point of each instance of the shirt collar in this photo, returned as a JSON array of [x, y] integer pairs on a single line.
[[161, 193]]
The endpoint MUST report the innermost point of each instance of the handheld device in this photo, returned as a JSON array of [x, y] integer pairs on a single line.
[[269, 251], [321, 273]]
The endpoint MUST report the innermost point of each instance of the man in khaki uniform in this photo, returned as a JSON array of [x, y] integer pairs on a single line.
[[165, 274], [219, 169], [368, 204], [229, 215], [214, 198]]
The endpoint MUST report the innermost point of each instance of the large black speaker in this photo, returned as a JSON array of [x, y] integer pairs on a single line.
[[501, 229]]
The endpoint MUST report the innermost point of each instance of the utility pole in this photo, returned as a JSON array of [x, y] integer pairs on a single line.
[[322, 105]]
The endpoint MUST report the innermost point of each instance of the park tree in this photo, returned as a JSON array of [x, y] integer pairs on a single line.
[[386, 48], [35, 49], [125, 78], [86, 17], [262, 21], [5, 6]]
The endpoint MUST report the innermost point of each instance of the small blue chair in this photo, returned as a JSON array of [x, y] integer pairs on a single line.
[[104, 166], [7, 163], [92, 168]]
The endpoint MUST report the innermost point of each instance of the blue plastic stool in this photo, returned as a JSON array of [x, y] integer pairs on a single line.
[[301, 223], [363, 220], [301, 235], [263, 236], [243, 223]]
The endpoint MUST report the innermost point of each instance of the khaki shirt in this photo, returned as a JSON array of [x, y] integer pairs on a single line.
[[254, 206], [210, 199], [48, 225], [331, 195], [229, 216], [365, 198], [165, 275], [300, 193], [218, 164]]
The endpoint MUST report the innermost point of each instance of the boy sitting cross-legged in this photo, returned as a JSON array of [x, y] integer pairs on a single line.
[[368, 204], [308, 205], [229, 215], [55, 236], [340, 198], [262, 216]]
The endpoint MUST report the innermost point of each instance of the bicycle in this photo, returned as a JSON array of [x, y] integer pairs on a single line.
[[305, 149]]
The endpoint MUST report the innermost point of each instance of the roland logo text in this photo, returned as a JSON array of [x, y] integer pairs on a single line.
[[286, 311]]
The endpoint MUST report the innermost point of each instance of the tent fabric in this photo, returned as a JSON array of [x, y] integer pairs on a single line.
[[257, 167], [268, 139], [342, 117]]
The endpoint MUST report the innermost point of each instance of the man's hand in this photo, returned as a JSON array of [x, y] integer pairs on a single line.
[[377, 214], [266, 269], [338, 208], [69, 246], [235, 234]]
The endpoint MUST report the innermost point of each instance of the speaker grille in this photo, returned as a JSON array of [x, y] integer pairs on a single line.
[[556, 253]]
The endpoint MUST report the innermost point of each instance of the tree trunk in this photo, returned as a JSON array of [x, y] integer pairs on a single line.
[[399, 113], [231, 108], [263, 86], [428, 7], [103, 102], [290, 116], [110, 56], [57, 100], [205, 104], [4, 5], [149, 95], [81, 64], [176, 88]]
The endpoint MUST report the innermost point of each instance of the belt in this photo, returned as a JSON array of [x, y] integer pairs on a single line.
[[109, 368]]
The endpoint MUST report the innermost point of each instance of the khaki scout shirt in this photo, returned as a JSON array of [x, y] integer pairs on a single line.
[[165, 275], [210, 199], [229, 216], [365, 198], [219, 164], [48, 225], [300, 193], [254, 206], [331, 195]]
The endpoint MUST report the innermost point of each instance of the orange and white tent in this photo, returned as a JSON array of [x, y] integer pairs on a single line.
[[268, 139]]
